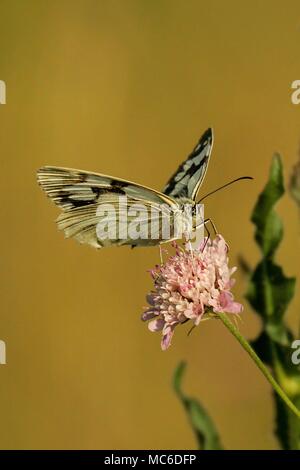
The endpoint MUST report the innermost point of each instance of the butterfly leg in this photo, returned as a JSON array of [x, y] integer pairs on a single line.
[[212, 224], [207, 238], [188, 244], [191, 329], [206, 221], [160, 254]]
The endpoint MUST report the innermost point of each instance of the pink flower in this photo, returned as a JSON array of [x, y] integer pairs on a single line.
[[189, 285]]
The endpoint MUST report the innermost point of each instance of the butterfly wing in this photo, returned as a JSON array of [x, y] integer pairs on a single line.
[[190, 174], [82, 195]]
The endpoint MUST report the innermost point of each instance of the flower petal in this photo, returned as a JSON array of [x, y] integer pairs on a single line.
[[157, 324], [149, 314], [227, 303], [167, 337]]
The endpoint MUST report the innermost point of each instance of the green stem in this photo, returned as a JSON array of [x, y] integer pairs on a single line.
[[244, 343]]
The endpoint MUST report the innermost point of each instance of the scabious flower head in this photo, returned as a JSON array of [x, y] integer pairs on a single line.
[[189, 285]]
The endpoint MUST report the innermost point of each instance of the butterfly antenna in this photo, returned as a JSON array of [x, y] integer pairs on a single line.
[[225, 185]]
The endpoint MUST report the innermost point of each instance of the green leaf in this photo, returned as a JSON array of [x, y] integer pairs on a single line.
[[203, 426], [269, 230], [262, 347], [294, 185], [269, 293], [287, 427]]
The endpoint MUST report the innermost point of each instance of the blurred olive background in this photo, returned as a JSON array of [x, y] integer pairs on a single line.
[[126, 88]]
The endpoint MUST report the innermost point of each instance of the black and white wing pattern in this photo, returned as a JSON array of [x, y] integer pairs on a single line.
[[85, 197], [82, 194], [187, 180]]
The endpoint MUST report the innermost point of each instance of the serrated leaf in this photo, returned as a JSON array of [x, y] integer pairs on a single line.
[[272, 192], [269, 235], [294, 185], [287, 427], [269, 229], [203, 426], [269, 293], [262, 347]]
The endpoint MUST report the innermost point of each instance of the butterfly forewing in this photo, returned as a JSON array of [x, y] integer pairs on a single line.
[[70, 188], [187, 180]]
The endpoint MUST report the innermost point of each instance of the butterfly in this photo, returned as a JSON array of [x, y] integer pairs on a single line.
[[88, 199]]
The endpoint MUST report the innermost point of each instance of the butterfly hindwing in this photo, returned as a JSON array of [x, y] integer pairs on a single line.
[[82, 223], [190, 174], [82, 196]]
